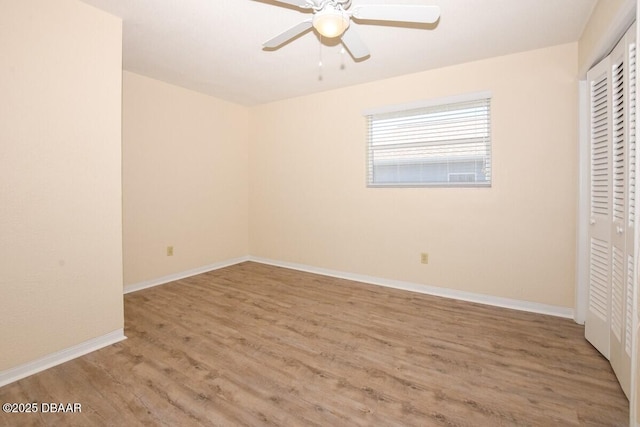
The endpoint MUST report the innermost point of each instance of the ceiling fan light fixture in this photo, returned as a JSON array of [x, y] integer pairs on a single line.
[[331, 22]]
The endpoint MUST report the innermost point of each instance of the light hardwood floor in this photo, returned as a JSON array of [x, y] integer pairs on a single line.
[[259, 345]]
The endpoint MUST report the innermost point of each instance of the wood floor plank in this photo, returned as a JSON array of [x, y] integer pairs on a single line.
[[259, 345]]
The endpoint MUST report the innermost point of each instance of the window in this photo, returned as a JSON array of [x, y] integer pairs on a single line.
[[438, 143]]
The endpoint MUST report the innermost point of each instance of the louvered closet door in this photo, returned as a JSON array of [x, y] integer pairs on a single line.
[[631, 210], [612, 100], [627, 339], [597, 323], [619, 212], [623, 225]]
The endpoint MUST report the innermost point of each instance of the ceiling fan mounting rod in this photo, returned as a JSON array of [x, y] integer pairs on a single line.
[[318, 5]]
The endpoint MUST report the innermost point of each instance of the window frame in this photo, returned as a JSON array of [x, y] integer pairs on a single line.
[[446, 103]]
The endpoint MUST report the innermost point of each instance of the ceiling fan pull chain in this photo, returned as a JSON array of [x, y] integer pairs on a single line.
[[343, 51], [320, 61]]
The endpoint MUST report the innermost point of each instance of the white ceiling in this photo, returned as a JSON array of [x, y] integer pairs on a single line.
[[215, 46]]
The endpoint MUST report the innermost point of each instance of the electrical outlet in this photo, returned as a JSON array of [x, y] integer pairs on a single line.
[[424, 258], [169, 250]]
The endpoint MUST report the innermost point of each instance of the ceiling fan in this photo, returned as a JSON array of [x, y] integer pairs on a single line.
[[331, 19]]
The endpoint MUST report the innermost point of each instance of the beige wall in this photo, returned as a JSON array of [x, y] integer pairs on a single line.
[[309, 203], [60, 185], [185, 179]]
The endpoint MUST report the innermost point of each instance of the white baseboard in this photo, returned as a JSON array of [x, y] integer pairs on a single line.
[[177, 276], [14, 374], [514, 304]]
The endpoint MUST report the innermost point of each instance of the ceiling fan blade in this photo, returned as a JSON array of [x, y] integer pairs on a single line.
[[298, 3], [354, 44], [292, 32], [420, 14]]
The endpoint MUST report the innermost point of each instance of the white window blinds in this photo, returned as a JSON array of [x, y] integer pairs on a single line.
[[442, 144]]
